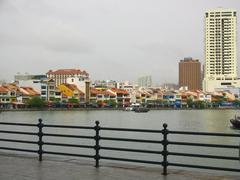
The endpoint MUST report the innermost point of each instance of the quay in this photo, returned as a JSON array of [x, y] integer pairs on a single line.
[[19, 167]]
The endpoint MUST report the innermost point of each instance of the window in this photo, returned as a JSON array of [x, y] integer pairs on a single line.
[[57, 93], [226, 83], [51, 87], [12, 93]]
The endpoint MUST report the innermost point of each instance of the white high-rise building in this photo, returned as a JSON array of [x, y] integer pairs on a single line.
[[220, 70], [145, 81]]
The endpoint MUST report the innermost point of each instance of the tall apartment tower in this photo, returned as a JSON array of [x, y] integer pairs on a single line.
[[190, 74], [145, 81], [220, 69]]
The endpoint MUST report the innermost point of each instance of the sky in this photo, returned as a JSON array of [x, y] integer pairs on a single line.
[[110, 39]]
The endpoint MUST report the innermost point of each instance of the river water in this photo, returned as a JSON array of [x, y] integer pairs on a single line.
[[187, 120]]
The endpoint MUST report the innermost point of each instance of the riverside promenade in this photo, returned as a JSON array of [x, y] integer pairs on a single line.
[[19, 167]]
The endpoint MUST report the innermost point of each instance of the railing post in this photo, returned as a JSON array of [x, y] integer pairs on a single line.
[[97, 147], [239, 152], [40, 142], [165, 151]]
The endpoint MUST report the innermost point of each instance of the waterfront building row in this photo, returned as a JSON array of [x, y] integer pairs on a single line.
[[14, 96]]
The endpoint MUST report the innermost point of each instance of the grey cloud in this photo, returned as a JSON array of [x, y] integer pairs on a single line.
[[41, 29], [66, 41], [118, 39], [156, 48]]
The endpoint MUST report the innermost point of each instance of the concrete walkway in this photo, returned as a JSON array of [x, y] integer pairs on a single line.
[[16, 167]]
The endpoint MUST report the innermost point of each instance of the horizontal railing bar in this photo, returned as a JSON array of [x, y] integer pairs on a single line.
[[17, 149], [18, 132], [19, 141], [203, 145], [66, 126], [203, 133], [203, 167], [131, 150], [131, 160], [70, 136], [70, 145], [132, 140], [203, 156], [17, 124], [68, 154], [130, 129]]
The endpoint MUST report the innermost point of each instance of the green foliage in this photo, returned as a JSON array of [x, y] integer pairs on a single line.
[[111, 103], [99, 103], [55, 100], [218, 101], [73, 100], [199, 104], [190, 102], [165, 102], [236, 102], [36, 102], [151, 101]]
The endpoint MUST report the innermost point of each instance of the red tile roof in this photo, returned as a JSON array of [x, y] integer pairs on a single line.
[[119, 91], [104, 92], [68, 71], [10, 86], [29, 91], [3, 90], [94, 91]]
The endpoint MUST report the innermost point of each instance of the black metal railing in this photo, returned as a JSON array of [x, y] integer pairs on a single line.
[[98, 136]]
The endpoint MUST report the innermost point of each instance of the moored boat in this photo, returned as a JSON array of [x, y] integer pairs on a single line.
[[141, 109], [129, 109], [236, 122], [132, 107]]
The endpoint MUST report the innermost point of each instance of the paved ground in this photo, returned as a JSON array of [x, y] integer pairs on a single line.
[[16, 167]]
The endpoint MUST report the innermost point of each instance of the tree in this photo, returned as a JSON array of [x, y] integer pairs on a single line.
[[200, 104], [73, 100], [36, 102], [236, 102], [190, 102], [110, 103], [99, 103], [165, 103]]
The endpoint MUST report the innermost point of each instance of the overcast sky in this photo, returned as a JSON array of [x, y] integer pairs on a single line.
[[111, 39]]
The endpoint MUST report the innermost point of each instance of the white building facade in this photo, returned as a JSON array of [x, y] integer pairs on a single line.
[[220, 70]]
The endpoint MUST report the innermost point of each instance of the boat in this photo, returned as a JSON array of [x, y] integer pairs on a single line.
[[129, 109], [141, 109], [236, 122], [132, 107]]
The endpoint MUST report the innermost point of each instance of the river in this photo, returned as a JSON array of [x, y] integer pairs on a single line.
[[187, 120]]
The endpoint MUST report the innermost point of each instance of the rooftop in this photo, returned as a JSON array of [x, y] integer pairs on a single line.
[[68, 71]]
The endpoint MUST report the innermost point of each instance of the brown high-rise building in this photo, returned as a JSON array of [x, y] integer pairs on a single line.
[[190, 74]]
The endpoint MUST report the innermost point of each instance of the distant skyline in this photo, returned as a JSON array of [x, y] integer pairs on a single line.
[[119, 40]]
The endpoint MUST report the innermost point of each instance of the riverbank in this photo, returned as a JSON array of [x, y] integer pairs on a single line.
[[112, 109]]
